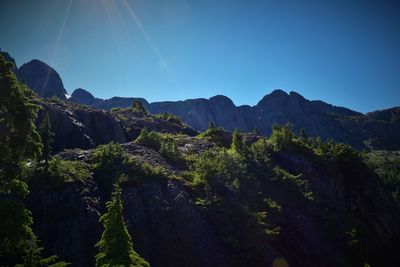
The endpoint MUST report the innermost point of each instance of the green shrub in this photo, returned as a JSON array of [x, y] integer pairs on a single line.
[[169, 117], [106, 161], [387, 165], [133, 172], [149, 139], [116, 109], [261, 151], [138, 108], [165, 144], [169, 149], [110, 164], [282, 137], [294, 183], [217, 166], [58, 172], [213, 134]]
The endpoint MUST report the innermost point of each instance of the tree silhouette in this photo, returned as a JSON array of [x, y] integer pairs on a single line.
[[115, 245]]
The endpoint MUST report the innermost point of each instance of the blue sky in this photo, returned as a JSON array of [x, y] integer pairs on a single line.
[[343, 52]]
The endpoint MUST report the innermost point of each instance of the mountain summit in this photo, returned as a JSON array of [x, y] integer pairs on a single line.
[[42, 79]]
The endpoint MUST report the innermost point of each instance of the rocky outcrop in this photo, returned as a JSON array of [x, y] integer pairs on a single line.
[[168, 229], [42, 79], [66, 220], [77, 126]]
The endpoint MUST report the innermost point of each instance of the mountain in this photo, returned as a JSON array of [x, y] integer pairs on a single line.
[[81, 96], [39, 77], [375, 130], [42, 79]]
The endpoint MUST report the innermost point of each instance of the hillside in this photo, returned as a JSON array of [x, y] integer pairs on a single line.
[[302, 201], [189, 198]]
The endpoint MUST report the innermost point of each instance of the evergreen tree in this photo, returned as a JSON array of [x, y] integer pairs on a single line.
[[33, 257], [212, 125], [256, 131], [19, 144], [115, 245], [303, 136], [237, 142], [47, 139]]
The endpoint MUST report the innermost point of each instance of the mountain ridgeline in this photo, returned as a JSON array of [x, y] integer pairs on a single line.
[[374, 130]]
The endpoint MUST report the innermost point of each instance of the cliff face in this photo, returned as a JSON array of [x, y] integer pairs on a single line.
[[167, 228], [67, 221], [77, 126]]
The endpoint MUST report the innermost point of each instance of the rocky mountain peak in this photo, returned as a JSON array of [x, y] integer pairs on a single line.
[[82, 96], [222, 100], [275, 97], [42, 79], [296, 95]]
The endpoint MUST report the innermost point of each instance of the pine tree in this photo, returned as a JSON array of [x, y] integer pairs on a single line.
[[256, 131], [212, 125], [19, 144], [115, 245], [33, 257], [237, 142], [47, 139], [303, 136]]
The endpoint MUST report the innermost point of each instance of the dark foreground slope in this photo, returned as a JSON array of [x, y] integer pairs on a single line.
[[285, 199]]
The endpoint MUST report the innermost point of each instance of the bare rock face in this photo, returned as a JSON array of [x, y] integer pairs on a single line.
[[67, 221], [76, 127], [167, 228], [42, 79]]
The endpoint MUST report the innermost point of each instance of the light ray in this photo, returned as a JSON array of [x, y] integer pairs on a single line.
[[150, 42], [58, 40]]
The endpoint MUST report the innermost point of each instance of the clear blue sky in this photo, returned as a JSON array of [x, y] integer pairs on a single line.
[[343, 52]]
